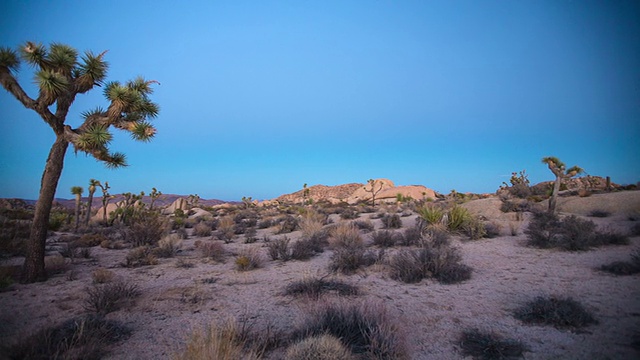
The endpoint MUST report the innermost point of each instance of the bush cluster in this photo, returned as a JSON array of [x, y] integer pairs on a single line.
[[391, 221], [442, 263], [557, 311], [624, 267], [103, 299], [489, 345], [547, 230], [314, 287]]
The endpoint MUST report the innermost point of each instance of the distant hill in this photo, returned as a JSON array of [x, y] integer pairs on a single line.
[[164, 200]]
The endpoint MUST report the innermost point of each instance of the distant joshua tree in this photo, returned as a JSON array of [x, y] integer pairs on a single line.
[[305, 194], [60, 75], [93, 183], [106, 197], [557, 167], [373, 190], [77, 191], [154, 195]]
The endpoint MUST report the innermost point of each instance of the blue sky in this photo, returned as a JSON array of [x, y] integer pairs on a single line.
[[259, 97]]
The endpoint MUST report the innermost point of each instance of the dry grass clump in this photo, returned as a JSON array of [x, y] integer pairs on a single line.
[[391, 221], [103, 299], [102, 276], [287, 224], [89, 240], [364, 225], [557, 311], [429, 261], [202, 229], [211, 249], [489, 345], [303, 249], [386, 238], [345, 235], [147, 229], [55, 264], [140, 256], [315, 287], [220, 342], [85, 337], [367, 329], [249, 259], [321, 347], [226, 229]]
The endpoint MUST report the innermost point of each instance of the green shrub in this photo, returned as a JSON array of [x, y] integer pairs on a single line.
[[556, 311], [367, 329], [457, 216], [489, 346], [432, 214]]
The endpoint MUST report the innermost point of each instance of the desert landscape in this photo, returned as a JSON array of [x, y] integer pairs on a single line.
[[255, 279]]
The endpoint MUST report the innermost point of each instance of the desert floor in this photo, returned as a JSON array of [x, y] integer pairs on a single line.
[[175, 300]]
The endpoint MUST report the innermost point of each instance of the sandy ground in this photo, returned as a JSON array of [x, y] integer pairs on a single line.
[[506, 274]]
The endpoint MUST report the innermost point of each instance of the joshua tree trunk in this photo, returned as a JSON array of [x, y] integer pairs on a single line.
[[554, 195], [33, 268], [89, 202]]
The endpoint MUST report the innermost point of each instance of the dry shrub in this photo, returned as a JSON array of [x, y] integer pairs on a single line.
[[365, 225], [168, 246], [226, 229], [147, 228], [391, 221], [367, 329], [55, 264], [278, 249], [85, 337], [624, 267], [140, 256], [102, 275], [220, 342], [202, 229], [211, 249], [90, 240], [321, 347], [248, 259], [490, 345], [287, 224], [113, 244], [440, 262], [347, 260], [314, 287], [386, 238], [345, 235], [557, 311], [103, 299]]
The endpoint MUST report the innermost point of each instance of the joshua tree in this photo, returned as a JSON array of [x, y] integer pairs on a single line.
[[305, 194], [373, 191], [92, 189], [557, 167], [154, 195], [77, 191], [61, 76], [106, 197]]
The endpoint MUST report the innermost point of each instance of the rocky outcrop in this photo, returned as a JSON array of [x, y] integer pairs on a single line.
[[179, 203], [333, 194]]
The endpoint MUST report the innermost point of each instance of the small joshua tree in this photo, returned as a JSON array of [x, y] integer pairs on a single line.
[[372, 189], [93, 183], [106, 197], [77, 191], [558, 168], [305, 194], [154, 195]]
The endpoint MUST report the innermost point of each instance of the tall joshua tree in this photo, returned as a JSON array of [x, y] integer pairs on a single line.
[[77, 191], [558, 169], [61, 76], [93, 183]]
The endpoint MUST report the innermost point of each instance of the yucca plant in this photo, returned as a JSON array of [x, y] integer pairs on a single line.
[[431, 214], [61, 74]]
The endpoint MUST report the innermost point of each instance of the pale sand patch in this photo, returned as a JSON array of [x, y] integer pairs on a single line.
[[506, 274]]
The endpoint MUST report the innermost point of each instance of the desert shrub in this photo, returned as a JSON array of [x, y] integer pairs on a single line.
[[624, 267], [250, 235], [245, 219], [556, 311], [266, 223], [320, 347], [385, 238], [599, 213], [366, 329], [364, 225], [182, 233], [140, 256], [103, 299], [202, 229], [226, 229], [571, 233], [55, 264], [304, 249], [349, 214], [89, 240], [492, 230], [248, 259], [432, 214], [13, 236], [168, 246], [279, 249], [59, 219], [211, 249], [391, 221], [345, 235], [411, 236], [223, 342], [440, 262], [347, 260], [102, 275], [85, 337], [474, 228], [457, 216], [314, 287], [489, 345], [147, 228], [436, 235], [287, 224]]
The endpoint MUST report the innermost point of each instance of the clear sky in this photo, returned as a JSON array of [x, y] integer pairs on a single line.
[[259, 97]]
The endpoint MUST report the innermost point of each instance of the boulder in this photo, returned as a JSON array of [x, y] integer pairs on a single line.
[[179, 203], [360, 194], [416, 192], [99, 216]]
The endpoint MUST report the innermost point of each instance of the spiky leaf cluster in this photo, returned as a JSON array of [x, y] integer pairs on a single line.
[[60, 75]]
